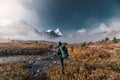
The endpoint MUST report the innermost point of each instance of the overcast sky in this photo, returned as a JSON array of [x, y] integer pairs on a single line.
[[68, 15], [71, 15], [84, 16]]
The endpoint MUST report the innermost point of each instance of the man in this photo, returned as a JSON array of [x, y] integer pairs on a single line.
[[63, 52]]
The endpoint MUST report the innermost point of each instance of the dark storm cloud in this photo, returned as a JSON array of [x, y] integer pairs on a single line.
[[76, 14], [80, 20]]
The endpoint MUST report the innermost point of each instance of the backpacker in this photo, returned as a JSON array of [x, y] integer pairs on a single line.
[[64, 51]]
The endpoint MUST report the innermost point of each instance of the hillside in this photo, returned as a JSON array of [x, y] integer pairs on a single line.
[[86, 61], [90, 61]]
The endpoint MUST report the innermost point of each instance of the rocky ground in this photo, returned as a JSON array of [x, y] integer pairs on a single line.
[[36, 64], [41, 65]]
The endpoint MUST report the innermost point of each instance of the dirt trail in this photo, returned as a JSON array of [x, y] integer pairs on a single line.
[[36, 64], [18, 58], [42, 65]]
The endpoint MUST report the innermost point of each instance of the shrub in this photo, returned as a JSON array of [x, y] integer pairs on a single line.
[[115, 40], [107, 39], [92, 65], [14, 71], [117, 52]]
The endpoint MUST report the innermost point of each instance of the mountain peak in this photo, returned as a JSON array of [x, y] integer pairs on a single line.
[[49, 30], [53, 33], [58, 32]]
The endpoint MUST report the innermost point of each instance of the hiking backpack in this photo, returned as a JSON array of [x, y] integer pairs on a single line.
[[64, 51]]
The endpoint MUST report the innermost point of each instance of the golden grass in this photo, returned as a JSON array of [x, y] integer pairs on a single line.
[[89, 64], [14, 71], [24, 48], [93, 61]]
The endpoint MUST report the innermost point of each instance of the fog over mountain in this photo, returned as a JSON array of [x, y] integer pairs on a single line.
[[76, 20], [18, 30], [21, 30], [111, 29]]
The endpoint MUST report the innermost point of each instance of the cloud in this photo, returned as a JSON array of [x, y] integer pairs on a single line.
[[11, 10], [109, 29], [81, 31], [19, 30]]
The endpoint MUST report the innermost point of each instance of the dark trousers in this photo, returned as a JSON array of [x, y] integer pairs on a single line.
[[62, 64]]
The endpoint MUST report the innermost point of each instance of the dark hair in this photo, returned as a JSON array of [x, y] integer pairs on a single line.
[[59, 44]]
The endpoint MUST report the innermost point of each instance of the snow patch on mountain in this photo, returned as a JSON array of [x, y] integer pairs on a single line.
[[49, 30], [58, 32]]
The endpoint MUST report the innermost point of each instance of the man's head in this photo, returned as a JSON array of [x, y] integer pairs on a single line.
[[59, 43]]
